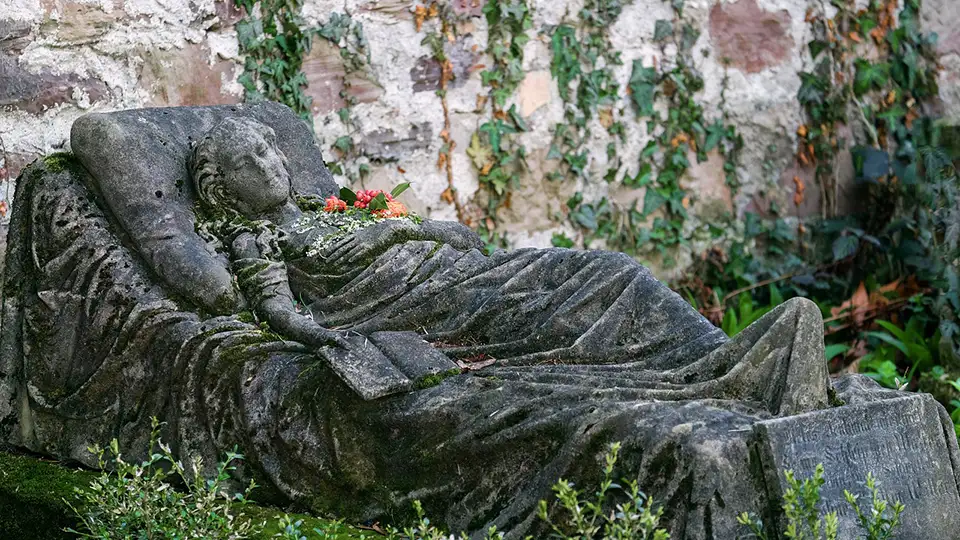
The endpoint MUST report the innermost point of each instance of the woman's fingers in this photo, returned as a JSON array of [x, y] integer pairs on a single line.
[[358, 253], [341, 248]]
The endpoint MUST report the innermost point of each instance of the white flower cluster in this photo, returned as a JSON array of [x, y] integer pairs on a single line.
[[339, 223]]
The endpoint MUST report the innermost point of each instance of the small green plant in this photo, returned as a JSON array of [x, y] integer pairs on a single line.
[[899, 346], [139, 500], [801, 503], [735, 320], [424, 530], [585, 518]]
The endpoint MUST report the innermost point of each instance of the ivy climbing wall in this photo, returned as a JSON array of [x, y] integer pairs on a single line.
[[646, 126]]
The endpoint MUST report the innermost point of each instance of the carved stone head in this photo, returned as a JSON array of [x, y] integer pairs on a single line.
[[238, 166]]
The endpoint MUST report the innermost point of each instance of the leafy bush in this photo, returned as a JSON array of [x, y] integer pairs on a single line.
[[140, 500], [804, 521], [585, 518]]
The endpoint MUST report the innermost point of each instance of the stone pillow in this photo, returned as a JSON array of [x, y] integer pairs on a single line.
[[138, 160]]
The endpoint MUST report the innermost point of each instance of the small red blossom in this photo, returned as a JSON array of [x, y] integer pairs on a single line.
[[394, 209], [334, 204]]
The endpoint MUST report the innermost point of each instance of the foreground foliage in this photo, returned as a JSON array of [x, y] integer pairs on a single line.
[[161, 499]]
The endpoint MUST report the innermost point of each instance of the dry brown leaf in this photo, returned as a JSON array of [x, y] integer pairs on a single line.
[[419, 15], [606, 117], [447, 196]]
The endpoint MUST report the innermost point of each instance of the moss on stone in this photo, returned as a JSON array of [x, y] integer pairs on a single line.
[[433, 380], [33, 495], [61, 161]]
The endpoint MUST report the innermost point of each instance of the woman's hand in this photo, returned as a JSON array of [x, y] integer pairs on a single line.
[[369, 241]]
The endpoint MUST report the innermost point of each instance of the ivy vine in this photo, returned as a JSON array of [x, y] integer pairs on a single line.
[[494, 149], [663, 163], [274, 45]]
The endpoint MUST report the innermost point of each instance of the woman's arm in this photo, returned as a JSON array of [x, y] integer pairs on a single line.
[[265, 285], [376, 239]]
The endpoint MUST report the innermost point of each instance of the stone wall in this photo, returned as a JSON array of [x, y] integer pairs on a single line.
[[62, 58]]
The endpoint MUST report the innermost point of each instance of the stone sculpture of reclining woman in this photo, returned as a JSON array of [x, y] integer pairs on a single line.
[[101, 331]]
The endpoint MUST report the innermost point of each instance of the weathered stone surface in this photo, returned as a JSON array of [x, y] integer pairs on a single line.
[[227, 11], [473, 8], [14, 36], [401, 9], [901, 442], [387, 145], [186, 77], [425, 74], [535, 91], [79, 23], [119, 258], [752, 38], [325, 74], [708, 185], [37, 92]]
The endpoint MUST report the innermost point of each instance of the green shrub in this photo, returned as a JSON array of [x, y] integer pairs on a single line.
[[586, 518], [139, 500], [804, 521]]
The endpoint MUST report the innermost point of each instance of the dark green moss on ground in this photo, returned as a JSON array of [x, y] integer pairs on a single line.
[[33, 507]]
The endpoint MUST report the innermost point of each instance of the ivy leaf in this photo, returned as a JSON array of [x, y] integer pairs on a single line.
[[518, 119], [844, 247], [479, 153], [554, 152], [715, 133], [689, 37], [870, 75], [816, 47], [662, 30], [643, 177], [585, 217], [343, 144], [642, 86], [812, 89], [649, 150], [652, 201], [561, 240]]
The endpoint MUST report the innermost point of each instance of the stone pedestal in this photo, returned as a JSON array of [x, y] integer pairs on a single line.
[[901, 441]]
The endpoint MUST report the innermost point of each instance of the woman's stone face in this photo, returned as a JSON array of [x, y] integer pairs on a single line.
[[255, 174]]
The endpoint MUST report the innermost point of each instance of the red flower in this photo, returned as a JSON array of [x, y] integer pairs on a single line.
[[394, 209], [334, 204]]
